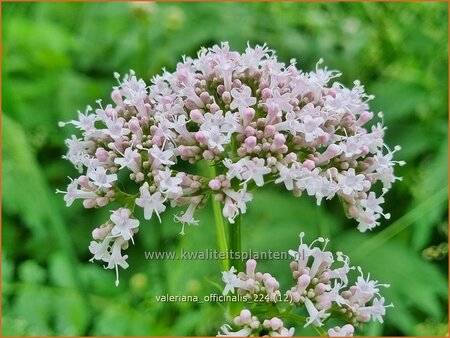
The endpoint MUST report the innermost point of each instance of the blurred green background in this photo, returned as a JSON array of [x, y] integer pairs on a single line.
[[59, 57]]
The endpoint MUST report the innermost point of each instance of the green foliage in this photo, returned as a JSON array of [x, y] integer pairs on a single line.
[[59, 57]]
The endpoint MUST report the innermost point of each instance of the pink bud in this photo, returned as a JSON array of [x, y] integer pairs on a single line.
[[226, 184], [309, 164], [323, 138], [271, 283], [97, 234], [226, 97], [157, 140], [291, 157], [266, 93], [89, 203], [283, 149], [214, 108], [353, 211], [208, 155], [245, 315], [269, 130], [205, 97], [102, 201], [249, 114], [83, 180], [241, 151], [134, 126], [251, 142], [276, 323], [363, 118], [279, 140], [166, 99], [320, 288], [201, 137], [116, 96], [271, 161], [220, 89], [304, 281], [101, 154], [196, 116], [249, 131], [215, 184], [250, 267]]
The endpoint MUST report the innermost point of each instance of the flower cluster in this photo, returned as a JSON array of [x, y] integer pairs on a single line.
[[321, 288], [252, 326], [252, 117]]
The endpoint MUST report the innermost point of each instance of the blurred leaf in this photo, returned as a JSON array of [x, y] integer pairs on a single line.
[[71, 315], [25, 184], [15, 327], [33, 306], [60, 272], [430, 180], [31, 272]]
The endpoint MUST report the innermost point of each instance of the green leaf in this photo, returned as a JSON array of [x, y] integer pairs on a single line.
[[31, 272], [34, 306], [431, 177], [71, 317], [23, 183]]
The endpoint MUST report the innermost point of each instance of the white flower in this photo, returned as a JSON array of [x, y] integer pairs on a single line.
[[151, 203], [74, 193], [255, 170], [345, 331], [134, 91], [372, 203], [100, 178], [123, 224], [242, 99], [311, 128], [226, 331], [237, 202], [234, 169], [352, 146], [377, 310], [315, 316], [169, 185], [216, 139], [131, 159], [283, 332], [231, 281], [291, 124], [282, 101], [349, 182], [288, 175], [85, 121], [116, 259], [115, 127], [160, 157], [100, 250], [78, 151], [187, 217]]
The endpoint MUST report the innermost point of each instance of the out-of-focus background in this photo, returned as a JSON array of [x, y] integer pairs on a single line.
[[59, 57]]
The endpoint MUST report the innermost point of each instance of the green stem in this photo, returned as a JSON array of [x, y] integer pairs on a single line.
[[234, 231], [220, 226], [294, 317]]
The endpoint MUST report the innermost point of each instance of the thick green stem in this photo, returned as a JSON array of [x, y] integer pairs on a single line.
[[220, 226], [220, 231], [234, 231]]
